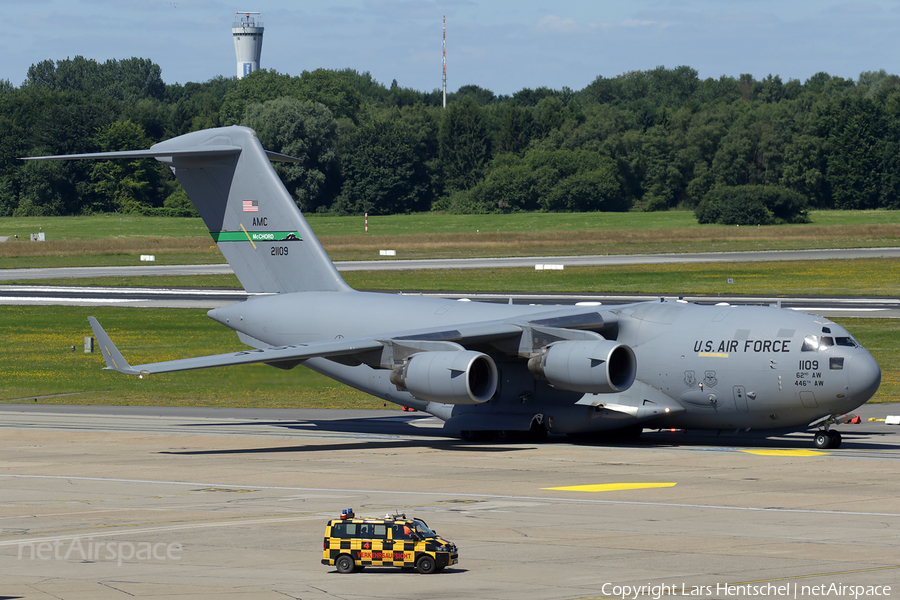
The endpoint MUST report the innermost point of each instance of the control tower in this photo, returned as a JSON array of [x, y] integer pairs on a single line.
[[247, 30]]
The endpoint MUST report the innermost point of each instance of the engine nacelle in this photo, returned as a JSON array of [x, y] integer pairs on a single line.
[[463, 377], [590, 367]]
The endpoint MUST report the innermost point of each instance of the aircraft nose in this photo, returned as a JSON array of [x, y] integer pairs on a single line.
[[864, 376]]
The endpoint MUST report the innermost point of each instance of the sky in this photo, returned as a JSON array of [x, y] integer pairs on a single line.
[[501, 45]]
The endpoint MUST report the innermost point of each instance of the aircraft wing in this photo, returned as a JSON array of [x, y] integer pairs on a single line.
[[286, 355], [289, 356]]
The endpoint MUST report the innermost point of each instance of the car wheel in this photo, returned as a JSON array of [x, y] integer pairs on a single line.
[[344, 563], [426, 564]]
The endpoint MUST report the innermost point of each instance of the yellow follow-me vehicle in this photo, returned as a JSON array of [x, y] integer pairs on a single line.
[[352, 543]]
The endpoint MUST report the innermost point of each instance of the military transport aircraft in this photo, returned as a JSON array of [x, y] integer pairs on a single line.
[[492, 370]]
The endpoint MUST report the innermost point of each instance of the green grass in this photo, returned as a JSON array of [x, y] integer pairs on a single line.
[[43, 365], [97, 227], [536, 222], [859, 277], [109, 240]]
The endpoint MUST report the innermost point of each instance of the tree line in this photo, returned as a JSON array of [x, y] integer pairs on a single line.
[[642, 140]]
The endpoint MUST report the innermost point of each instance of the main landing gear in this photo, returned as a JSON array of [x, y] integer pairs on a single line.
[[503, 436], [827, 439], [537, 433]]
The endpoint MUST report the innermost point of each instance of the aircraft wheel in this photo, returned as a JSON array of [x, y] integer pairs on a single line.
[[629, 433], [537, 433], [503, 436], [822, 440], [468, 435], [344, 564], [426, 564], [836, 439]]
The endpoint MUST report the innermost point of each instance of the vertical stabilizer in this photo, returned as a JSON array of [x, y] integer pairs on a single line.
[[249, 213]]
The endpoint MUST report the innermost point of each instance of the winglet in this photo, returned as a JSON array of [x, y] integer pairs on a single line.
[[114, 359]]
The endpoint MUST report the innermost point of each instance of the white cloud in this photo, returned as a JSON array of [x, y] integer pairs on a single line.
[[643, 23], [559, 25]]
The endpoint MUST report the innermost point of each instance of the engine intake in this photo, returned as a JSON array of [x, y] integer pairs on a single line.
[[463, 377], [590, 367]]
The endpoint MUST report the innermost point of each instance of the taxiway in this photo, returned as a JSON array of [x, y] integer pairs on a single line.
[[233, 503]]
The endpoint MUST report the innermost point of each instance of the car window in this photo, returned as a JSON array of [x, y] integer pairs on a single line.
[[343, 530], [399, 532]]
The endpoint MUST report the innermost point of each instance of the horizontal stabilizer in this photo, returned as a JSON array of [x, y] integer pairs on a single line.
[[276, 157], [151, 153], [162, 153]]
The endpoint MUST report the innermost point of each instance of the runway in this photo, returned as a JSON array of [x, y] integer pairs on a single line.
[[123, 502], [470, 263], [44, 295], [74, 295]]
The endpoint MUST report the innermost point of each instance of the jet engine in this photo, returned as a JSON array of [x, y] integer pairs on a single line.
[[590, 367], [463, 377]]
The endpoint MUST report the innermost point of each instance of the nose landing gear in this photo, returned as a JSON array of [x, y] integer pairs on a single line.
[[827, 439]]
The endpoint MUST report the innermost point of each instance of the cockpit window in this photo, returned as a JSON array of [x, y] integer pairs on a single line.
[[836, 363], [810, 343]]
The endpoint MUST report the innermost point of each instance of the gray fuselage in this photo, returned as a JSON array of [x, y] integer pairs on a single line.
[[698, 366]]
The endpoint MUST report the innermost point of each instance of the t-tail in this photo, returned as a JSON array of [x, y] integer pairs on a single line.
[[251, 216]]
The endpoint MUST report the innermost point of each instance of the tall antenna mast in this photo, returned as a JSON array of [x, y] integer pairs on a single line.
[[445, 60]]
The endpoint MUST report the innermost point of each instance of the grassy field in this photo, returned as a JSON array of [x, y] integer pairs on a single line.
[[870, 277], [109, 240], [97, 227], [44, 367]]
